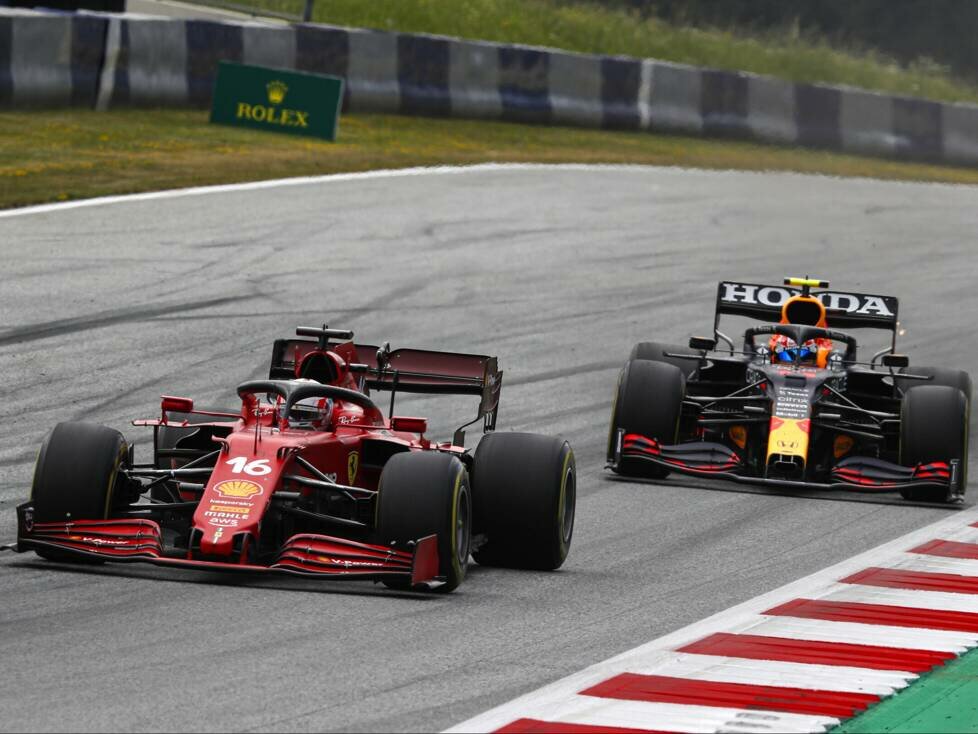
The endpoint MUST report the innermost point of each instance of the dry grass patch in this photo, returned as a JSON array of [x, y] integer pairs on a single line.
[[59, 155]]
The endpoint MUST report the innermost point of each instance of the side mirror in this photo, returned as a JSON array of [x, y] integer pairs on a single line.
[[170, 404], [177, 405], [409, 425], [896, 360], [702, 343]]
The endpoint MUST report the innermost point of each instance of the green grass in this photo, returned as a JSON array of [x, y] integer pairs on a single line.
[[58, 155], [583, 26]]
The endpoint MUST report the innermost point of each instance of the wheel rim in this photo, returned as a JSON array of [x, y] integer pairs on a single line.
[[462, 530], [569, 506]]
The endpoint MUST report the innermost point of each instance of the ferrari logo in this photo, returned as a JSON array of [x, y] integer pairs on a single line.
[[240, 488], [352, 463], [218, 534]]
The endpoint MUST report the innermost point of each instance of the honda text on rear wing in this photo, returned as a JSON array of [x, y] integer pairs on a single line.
[[843, 309]]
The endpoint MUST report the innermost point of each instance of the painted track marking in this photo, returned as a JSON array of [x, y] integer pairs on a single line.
[[800, 658]]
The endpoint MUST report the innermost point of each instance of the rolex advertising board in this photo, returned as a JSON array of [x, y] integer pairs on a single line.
[[280, 101]]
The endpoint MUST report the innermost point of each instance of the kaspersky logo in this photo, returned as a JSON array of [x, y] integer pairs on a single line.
[[272, 114]]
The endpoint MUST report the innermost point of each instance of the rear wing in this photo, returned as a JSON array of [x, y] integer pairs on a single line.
[[842, 309], [405, 370]]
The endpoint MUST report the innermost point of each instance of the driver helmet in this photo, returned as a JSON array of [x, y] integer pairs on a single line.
[[784, 350], [311, 413]]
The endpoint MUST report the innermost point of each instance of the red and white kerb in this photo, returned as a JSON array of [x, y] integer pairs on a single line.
[[800, 659]]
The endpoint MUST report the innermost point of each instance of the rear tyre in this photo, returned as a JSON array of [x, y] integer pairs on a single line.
[[427, 493], [525, 500], [934, 427], [656, 352], [648, 401], [77, 476]]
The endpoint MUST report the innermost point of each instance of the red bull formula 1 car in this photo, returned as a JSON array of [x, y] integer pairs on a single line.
[[793, 405], [310, 477]]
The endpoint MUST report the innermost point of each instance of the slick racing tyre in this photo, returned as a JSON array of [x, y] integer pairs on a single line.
[[648, 401], [934, 427], [77, 476], [656, 352], [425, 493], [525, 489], [939, 376]]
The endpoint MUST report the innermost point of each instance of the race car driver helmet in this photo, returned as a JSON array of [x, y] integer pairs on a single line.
[[311, 413], [784, 350]]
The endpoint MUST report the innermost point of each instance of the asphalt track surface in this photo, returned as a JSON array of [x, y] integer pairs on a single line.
[[558, 271]]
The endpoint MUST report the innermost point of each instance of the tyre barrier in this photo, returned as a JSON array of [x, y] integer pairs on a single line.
[[106, 60]]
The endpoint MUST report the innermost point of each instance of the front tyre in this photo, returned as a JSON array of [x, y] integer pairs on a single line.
[[525, 500], [659, 352], [934, 427], [77, 477], [938, 376], [648, 401], [427, 493]]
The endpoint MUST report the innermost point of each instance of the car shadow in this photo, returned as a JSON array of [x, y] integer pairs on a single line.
[[148, 572], [838, 495]]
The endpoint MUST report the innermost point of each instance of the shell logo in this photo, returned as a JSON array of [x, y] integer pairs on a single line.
[[238, 488]]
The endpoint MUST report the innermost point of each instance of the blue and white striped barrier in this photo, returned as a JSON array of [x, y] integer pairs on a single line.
[[103, 60]]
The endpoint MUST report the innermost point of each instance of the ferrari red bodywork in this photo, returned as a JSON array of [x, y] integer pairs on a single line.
[[260, 491]]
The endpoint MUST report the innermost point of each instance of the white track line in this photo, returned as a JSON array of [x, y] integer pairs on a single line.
[[966, 534], [934, 564], [421, 171], [946, 601], [774, 673], [306, 180], [605, 712], [821, 585], [855, 633]]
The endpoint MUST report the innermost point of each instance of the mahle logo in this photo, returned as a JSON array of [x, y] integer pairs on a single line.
[[273, 115], [276, 91]]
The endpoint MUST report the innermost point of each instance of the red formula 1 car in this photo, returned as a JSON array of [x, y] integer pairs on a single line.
[[311, 478], [793, 406]]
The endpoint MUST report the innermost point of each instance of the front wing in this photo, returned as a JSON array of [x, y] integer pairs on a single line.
[[715, 460], [141, 540]]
